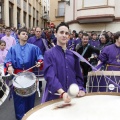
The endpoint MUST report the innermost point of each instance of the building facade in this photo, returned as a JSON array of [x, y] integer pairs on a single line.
[[45, 13], [20, 13], [57, 11], [93, 15]]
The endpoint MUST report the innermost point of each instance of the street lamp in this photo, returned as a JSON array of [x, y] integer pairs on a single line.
[[67, 1]]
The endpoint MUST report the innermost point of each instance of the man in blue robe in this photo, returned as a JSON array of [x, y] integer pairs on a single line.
[[110, 55], [21, 57], [61, 68]]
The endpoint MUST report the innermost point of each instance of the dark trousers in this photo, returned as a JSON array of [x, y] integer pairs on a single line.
[[22, 104]]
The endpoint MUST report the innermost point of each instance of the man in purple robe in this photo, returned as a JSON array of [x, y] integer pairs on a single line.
[[42, 44], [110, 55], [94, 41], [61, 68], [71, 43], [21, 57], [37, 40]]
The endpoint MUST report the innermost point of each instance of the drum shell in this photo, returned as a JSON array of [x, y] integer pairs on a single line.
[[26, 91], [97, 82], [4, 91], [2, 69]]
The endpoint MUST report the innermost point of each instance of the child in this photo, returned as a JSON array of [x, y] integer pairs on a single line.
[[3, 51]]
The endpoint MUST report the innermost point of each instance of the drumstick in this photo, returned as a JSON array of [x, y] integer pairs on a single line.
[[31, 67]]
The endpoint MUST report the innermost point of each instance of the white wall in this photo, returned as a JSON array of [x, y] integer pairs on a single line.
[[113, 27], [69, 11]]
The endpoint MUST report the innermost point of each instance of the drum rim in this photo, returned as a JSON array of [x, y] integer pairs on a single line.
[[30, 112], [107, 73]]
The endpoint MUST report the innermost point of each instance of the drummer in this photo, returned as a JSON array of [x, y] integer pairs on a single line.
[[110, 55], [21, 57], [61, 68]]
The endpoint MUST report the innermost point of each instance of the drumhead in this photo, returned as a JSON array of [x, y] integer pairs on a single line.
[[94, 106], [24, 80]]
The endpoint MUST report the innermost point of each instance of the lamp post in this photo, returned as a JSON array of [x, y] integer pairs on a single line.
[[67, 2]]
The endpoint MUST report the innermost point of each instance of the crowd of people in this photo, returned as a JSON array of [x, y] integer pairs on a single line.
[[51, 51]]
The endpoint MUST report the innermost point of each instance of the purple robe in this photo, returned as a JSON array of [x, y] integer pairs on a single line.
[[77, 41], [37, 42], [110, 55], [61, 72], [2, 35], [71, 44], [94, 43]]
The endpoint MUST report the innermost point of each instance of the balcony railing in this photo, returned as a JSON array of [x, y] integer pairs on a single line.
[[2, 21], [11, 1], [37, 15], [24, 6], [19, 3], [29, 9], [34, 12], [45, 17], [60, 12]]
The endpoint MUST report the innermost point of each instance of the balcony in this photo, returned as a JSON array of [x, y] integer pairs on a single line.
[[60, 12], [45, 17], [96, 11]]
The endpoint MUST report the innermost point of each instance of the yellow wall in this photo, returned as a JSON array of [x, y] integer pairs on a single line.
[[53, 7]]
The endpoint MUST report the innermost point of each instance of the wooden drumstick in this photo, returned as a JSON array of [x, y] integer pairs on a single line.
[[31, 67]]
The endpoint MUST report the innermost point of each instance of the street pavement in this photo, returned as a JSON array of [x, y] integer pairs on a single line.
[[7, 108]]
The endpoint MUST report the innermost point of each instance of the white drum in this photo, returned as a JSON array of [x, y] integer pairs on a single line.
[[98, 81], [2, 69], [4, 91], [25, 84], [94, 106]]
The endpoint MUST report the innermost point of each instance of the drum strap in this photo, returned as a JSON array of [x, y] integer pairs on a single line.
[[44, 42], [111, 65], [83, 53]]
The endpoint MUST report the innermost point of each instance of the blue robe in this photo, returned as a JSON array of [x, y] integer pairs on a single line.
[[23, 57], [110, 56], [61, 69]]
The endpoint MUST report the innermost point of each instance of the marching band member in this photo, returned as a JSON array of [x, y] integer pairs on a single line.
[[21, 57], [110, 55], [61, 68]]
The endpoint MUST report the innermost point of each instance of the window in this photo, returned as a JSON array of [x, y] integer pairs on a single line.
[[61, 9]]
